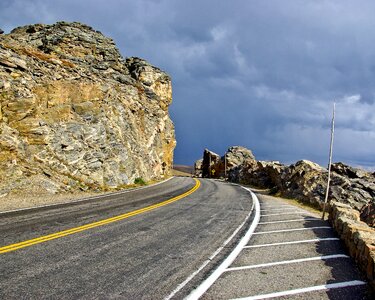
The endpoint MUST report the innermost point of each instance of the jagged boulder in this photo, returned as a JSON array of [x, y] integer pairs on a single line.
[[367, 213], [240, 163], [74, 114], [210, 164], [198, 167], [304, 180], [215, 166], [307, 182], [348, 171], [267, 174], [237, 155]]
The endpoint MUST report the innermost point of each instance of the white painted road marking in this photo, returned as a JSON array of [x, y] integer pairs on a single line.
[[277, 206], [285, 262], [206, 284], [225, 265], [290, 213], [306, 290], [286, 221], [293, 229], [294, 242], [187, 280], [279, 209]]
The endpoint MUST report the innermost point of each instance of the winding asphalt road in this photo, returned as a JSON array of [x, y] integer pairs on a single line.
[[123, 245]]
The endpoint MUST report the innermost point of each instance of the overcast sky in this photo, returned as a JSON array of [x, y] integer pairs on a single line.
[[261, 74]]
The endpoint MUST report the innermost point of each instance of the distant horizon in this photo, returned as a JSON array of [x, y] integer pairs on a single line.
[[352, 164]]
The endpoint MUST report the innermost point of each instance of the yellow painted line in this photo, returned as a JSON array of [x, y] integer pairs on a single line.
[[49, 237]]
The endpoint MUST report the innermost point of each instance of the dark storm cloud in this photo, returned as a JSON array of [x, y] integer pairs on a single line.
[[262, 74]]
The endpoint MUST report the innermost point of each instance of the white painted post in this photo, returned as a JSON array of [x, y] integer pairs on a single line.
[[330, 160]]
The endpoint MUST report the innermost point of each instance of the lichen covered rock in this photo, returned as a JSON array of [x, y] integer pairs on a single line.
[[75, 115]]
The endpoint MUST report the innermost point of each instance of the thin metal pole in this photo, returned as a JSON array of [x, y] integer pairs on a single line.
[[330, 160], [225, 166]]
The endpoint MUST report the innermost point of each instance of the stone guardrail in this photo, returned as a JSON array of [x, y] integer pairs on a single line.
[[358, 237]]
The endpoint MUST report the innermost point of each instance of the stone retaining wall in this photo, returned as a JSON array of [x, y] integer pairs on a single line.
[[357, 235]]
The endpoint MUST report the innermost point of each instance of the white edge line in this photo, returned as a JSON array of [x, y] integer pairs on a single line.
[[263, 205], [187, 280], [293, 242], [278, 209], [286, 221], [306, 290], [289, 213], [208, 282], [286, 262], [293, 229], [87, 198]]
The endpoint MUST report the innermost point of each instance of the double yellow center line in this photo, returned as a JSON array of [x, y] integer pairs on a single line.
[[49, 237]]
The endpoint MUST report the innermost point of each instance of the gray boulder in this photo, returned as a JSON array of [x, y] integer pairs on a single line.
[[198, 167], [348, 171]]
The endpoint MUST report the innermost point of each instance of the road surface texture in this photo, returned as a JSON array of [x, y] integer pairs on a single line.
[[292, 254], [74, 252]]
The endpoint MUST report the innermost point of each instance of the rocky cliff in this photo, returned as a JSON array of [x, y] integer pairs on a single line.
[[74, 114]]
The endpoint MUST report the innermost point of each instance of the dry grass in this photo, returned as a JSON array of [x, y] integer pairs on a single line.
[[180, 173]]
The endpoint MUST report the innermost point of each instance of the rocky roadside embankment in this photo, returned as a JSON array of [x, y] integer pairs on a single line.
[[351, 193], [75, 115]]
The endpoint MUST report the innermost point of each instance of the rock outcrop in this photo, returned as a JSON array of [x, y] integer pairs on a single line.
[[307, 182], [304, 180], [210, 163], [75, 115], [214, 166]]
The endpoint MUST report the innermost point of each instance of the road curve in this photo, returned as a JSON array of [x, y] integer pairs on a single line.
[[144, 256]]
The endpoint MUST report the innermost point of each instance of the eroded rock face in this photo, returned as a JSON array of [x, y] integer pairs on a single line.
[[305, 181], [75, 114]]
